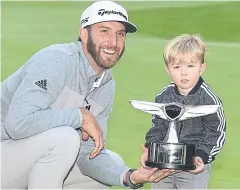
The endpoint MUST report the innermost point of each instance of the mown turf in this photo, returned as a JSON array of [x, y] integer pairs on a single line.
[[216, 22]]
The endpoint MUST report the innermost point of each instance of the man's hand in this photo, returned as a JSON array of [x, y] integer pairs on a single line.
[[90, 127], [146, 175], [199, 166]]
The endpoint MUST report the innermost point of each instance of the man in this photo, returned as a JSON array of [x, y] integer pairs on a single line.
[[63, 91]]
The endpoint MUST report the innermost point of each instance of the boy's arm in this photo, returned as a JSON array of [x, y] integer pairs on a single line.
[[44, 77], [214, 136]]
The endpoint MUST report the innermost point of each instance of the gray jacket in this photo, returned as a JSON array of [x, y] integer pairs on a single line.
[[206, 132], [47, 92]]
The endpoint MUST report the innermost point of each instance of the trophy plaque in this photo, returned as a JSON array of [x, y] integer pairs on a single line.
[[171, 153]]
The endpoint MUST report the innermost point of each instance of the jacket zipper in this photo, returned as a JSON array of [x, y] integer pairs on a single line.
[[94, 90], [88, 93], [181, 127]]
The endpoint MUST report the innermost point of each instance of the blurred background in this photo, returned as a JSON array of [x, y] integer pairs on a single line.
[[30, 26]]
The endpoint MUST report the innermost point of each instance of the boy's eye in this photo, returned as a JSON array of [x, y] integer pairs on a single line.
[[190, 65], [176, 67]]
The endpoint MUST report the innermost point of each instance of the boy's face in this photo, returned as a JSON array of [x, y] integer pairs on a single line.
[[185, 72]]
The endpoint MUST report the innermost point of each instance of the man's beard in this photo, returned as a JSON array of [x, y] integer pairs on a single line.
[[91, 47]]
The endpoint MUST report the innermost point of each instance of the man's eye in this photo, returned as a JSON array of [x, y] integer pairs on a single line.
[[121, 34], [104, 31]]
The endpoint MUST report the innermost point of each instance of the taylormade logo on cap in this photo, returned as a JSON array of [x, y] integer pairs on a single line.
[[106, 11], [103, 11]]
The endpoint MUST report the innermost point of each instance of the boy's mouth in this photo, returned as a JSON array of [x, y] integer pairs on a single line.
[[184, 81]]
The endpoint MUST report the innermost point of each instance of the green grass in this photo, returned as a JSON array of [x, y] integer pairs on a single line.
[[30, 26], [216, 22]]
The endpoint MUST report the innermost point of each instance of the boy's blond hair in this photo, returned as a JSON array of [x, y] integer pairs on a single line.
[[184, 45]]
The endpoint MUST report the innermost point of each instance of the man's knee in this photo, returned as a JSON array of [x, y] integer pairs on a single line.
[[65, 140], [65, 135], [60, 144]]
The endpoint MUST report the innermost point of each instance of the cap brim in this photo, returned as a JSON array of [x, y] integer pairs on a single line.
[[130, 27]]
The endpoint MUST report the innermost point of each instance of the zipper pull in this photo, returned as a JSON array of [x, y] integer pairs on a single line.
[[96, 83]]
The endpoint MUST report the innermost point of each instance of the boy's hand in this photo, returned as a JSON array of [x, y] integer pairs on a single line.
[[144, 157], [199, 166]]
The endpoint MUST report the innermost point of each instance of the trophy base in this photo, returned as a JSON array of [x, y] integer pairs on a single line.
[[177, 156], [169, 166]]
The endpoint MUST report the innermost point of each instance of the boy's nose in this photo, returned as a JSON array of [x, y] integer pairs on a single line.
[[183, 70]]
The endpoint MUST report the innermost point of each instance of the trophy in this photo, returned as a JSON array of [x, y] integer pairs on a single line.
[[171, 153]]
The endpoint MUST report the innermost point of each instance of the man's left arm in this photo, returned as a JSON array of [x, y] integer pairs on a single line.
[[214, 136], [102, 167]]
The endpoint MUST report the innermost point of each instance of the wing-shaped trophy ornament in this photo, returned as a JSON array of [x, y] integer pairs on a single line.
[[171, 153]]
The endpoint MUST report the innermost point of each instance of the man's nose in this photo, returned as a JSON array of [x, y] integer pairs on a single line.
[[112, 39]]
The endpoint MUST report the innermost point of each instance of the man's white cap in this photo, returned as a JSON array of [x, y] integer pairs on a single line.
[[103, 11]]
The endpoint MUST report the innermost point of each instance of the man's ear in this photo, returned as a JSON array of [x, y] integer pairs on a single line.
[[203, 68], [167, 70], [83, 34]]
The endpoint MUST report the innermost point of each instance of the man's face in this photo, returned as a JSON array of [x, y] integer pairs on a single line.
[[106, 43]]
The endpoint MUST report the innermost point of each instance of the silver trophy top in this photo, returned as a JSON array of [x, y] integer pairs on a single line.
[[174, 112], [181, 112]]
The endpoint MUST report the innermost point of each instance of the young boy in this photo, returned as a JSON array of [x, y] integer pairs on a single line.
[[184, 59]]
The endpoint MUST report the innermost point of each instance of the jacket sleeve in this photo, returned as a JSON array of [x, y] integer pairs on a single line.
[[214, 135], [43, 78], [101, 168]]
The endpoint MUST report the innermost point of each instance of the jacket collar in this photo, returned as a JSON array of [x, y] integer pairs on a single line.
[[194, 90]]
